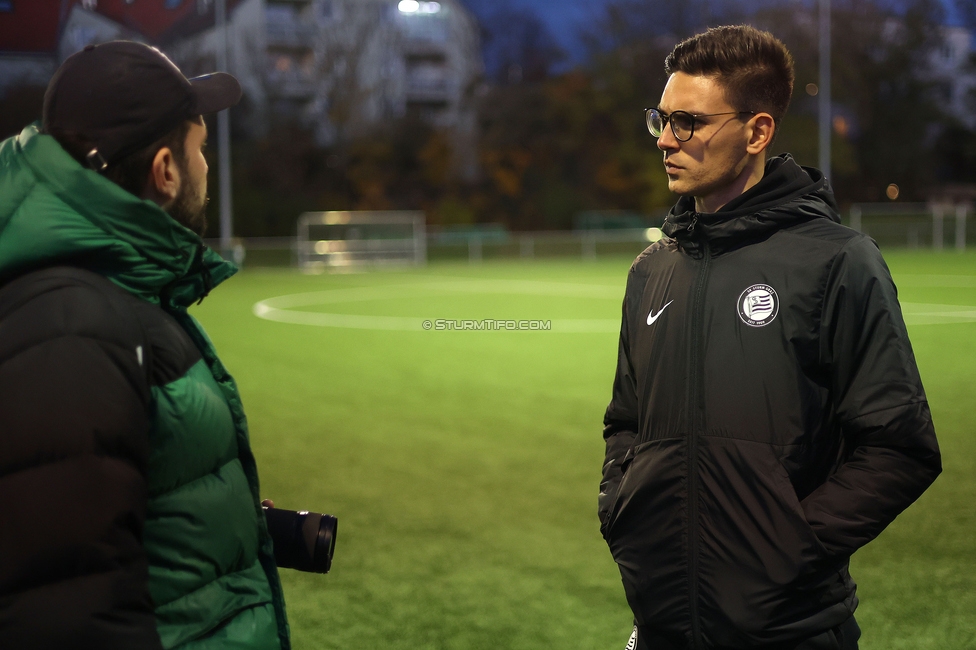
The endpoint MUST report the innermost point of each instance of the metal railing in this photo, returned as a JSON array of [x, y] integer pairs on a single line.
[[916, 224], [474, 247], [290, 33], [911, 225]]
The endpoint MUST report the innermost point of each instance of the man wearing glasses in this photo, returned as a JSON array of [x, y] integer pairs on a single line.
[[767, 417]]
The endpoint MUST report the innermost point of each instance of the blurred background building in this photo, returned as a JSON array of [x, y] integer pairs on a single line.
[[487, 114], [955, 73], [336, 67]]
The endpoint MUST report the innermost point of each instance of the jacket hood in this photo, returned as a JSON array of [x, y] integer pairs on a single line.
[[54, 211], [786, 195]]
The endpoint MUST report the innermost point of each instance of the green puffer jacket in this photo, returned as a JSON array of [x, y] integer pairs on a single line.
[[123, 442]]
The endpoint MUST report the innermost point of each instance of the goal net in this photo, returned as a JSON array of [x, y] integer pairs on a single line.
[[345, 239]]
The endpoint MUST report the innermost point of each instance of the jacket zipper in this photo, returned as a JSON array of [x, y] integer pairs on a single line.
[[697, 418]]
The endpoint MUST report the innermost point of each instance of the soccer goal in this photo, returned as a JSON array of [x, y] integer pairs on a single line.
[[349, 239]]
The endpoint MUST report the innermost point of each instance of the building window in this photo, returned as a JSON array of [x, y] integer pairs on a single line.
[[6, 6], [283, 63], [944, 91]]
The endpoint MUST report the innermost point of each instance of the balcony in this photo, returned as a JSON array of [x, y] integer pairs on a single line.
[[428, 80], [428, 90], [424, 30], [284, 29], [291, 74]]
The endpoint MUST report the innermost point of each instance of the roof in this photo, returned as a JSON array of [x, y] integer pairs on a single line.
[[31, 25], [150, 18], [36, 25]]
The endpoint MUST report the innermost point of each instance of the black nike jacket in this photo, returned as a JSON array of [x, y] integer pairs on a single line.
[[767, 419]]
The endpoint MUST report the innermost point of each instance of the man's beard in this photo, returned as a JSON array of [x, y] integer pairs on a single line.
[[190, 209]]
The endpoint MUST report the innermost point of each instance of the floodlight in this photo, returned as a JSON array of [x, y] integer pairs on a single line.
[[653, 234], [408, 6]]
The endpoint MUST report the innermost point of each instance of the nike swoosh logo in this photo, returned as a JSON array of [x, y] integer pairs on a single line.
[[651, 316]]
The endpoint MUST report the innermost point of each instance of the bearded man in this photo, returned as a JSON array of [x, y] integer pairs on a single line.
[[131, 516]]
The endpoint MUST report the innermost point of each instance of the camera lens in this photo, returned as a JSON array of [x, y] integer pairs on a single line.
[[302, 540]]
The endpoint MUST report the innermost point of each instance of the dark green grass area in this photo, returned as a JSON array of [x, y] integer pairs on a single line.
[[464, 466]]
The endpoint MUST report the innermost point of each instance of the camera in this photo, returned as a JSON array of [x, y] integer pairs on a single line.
[[302, 540]]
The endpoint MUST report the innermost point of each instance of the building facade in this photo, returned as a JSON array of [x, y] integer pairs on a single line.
[[342, 67], [953, 64], [336, 67]]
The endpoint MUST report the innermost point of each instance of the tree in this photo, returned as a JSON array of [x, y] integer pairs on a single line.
[[518, 47], [886, 117], [576, 142]]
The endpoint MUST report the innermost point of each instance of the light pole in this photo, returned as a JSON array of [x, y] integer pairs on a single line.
[[824, 94], [223, 137]]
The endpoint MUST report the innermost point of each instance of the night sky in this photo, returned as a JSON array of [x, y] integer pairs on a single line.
[[564, 18]]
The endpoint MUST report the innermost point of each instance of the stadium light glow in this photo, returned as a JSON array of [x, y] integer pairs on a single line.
[[653, 234], [415, 7]]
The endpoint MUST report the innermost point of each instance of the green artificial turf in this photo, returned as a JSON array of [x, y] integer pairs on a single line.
[[464, 465]]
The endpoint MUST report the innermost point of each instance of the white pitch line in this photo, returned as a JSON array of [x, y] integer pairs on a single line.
[[352, 321], [940, 281], [282, 308], [921, 313], [525, 287]]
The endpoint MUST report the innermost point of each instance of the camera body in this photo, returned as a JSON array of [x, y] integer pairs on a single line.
[[302, 540]]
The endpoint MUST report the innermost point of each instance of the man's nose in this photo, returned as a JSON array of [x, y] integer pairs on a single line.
[[667, 141]]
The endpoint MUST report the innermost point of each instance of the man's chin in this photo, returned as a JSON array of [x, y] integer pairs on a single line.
[[198, 224], [190, 216], [677, 187]]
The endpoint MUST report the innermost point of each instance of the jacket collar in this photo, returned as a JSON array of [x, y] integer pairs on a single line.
[[98, 224], [786, 195]]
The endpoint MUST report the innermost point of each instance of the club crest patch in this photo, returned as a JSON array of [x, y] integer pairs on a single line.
[[758, 305]]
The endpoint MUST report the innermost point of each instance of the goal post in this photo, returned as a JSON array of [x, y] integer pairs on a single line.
[[338, 239]]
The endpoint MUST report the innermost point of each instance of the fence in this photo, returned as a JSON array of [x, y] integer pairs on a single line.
[[915, 225], [474, 247], [584, 244], [892, 225]]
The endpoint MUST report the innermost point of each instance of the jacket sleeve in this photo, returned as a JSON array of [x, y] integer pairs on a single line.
[[620, 424], [891, 455], [73, 458]]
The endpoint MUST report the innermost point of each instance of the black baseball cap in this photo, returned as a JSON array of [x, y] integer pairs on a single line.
[[124, 96]]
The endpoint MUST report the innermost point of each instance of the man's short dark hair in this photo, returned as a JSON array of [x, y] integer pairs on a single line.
[[753, 66], [132, 172]]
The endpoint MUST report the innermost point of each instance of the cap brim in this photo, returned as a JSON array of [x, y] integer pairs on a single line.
[[214, 92]]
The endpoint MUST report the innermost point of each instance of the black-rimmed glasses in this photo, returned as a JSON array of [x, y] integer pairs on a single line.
[[682, 122]]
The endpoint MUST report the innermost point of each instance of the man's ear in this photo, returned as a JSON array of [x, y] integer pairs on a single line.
[[164, 178], [761, 135]]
